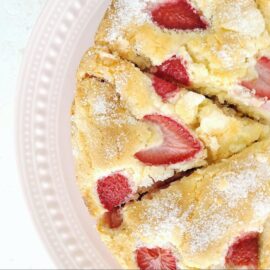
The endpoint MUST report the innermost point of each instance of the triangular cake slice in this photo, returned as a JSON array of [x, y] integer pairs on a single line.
[[216, 218], [132, 130], [220, 48]]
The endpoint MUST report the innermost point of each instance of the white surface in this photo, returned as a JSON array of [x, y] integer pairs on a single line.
[[20, 244]]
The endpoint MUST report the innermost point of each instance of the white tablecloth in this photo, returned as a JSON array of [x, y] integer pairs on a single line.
[[20, 244]]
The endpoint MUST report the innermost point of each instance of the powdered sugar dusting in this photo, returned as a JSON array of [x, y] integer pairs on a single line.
[[226, 57], [110, 153], [127, 12], [226, 192], [211, 226], [261, 206], [100, 105], [161, 218], [242, 16], [106, 111], [237, 185]]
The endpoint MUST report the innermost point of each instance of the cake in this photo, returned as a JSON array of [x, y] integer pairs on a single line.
[[216, 218], [170, 133], [219, 48], [264, 6], [127, 130]]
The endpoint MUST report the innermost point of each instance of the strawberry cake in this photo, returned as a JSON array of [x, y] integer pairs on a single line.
[[216, 218], [133, 129], [170, 133], [220, 48]]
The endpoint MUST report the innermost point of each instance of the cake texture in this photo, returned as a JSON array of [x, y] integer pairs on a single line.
[[204, 221], [220, 48], [170, 133], [124, 126]]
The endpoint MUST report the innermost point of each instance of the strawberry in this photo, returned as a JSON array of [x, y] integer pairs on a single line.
[[113, 218], [155, 259], [244, 252], [261, 85], [178, 145], [113, 190], [164, 89], [173, 70], [178, 15]]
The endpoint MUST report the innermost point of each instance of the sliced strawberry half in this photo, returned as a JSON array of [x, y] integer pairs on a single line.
[[155, 259], [164, 89], [173, 70], [113, 190], [261, 85], [178, 15], [178, 145], [244, 252]]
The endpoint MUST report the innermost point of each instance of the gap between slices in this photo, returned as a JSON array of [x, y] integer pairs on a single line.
[[178, 15], [155, 259], [157, 186], [261, 85], [113, 218], [179, 145], [244, 252]]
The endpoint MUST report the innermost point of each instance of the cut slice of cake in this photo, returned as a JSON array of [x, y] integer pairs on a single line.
[[118, 153], [132, 129], [216, 218], [220, 48]]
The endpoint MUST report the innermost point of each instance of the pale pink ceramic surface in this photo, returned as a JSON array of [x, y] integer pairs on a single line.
[[45, 91]]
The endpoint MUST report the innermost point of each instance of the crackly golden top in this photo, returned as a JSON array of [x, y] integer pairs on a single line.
[[235, 35], [217, 59]]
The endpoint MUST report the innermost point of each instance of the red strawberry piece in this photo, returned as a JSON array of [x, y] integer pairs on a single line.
[[244, 252], [178, 15], [178, 145], [261, 85], [113, 218], [113, 190], [173, 70], [164, 89], [155, 259]]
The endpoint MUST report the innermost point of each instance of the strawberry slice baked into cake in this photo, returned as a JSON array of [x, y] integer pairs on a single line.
[[170, 133], [220, 48], [132, 129]]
